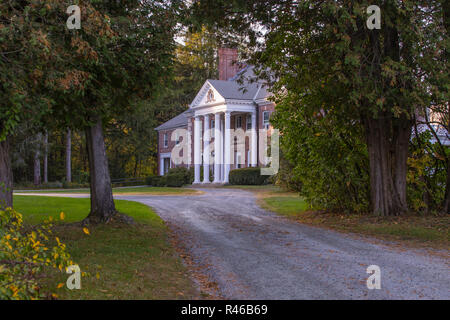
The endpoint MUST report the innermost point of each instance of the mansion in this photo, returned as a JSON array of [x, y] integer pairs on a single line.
[[236, 102]]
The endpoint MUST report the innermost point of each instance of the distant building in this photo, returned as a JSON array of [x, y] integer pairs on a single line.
[[436, 120]]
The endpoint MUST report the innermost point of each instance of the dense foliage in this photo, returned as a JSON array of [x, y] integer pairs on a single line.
[[24, 255], [330, 162], [357, 91], [427, 173], [128, 153]]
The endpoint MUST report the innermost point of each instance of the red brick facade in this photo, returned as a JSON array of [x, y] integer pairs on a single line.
[[170, 145]]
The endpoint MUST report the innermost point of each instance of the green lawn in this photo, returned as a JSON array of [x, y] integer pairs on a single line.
[[413, 230], [132, 262], [129, 191], [287, 205], [37, 208]]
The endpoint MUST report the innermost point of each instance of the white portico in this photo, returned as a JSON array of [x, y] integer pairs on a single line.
[[212, 110], [222, 129]]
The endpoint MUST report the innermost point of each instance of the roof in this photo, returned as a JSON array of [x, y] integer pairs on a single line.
[[245, 85], [235, 90], [180, 120]]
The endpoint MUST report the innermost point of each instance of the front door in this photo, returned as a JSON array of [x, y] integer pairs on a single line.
[[238, 160], [166, 165]]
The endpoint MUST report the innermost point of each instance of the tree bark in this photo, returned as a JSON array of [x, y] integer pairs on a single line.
[[388, 152], [402, 136], [102, 202], [387, 135], [37, 168], [6, 175], [446, 19], [446, 204], [45, 160], [69, 156]]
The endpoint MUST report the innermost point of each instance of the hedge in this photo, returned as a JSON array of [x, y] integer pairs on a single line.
[[156, 181], [175, 177], [247, 176]]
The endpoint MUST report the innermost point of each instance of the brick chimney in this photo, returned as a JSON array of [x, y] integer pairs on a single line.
[[228, 64]]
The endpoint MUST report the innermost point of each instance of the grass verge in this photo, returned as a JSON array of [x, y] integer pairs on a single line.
[[414, 230], [122, 262]]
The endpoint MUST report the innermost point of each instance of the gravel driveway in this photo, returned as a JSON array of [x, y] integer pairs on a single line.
[[255, 254]]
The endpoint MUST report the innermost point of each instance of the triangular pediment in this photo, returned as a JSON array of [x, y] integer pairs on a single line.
[[207, 95]]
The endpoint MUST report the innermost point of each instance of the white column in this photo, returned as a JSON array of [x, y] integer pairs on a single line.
[[217, 148], [189, 138], [222, 152], [197, 149], [161, 166], [227, 159], [206, 151], [254, 144]]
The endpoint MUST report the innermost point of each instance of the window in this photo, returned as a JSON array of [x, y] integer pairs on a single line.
[[266, 116], [166, 140], [177, 137], [238, 160], [238, 122], [212, 128], [249, 122]]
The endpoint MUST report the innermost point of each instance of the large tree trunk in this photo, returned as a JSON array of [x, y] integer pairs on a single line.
[[37, 168], [387, 136], [6, 176], [402, 136], [388, 152], [102, 203], [45, 160], [69, 156], [446, 204], [446, 18]]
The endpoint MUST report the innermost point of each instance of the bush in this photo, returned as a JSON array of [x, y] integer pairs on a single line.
[[327, 162], [156, 181], [51, 185], [32, 186], [23, 256], [427, 174], [174, 180], [285, 177], [74, 185], [247, 176], [180, 176], [175, 177]]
